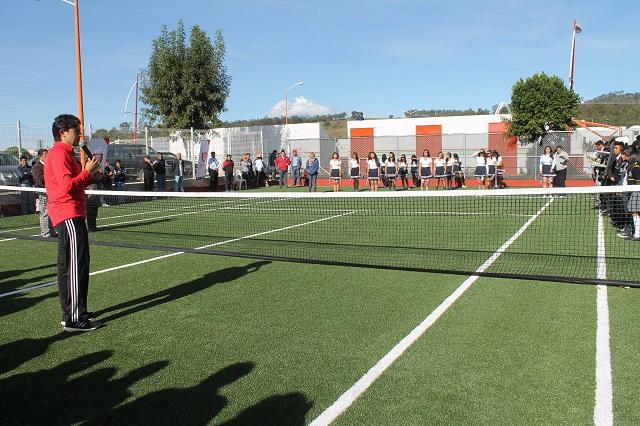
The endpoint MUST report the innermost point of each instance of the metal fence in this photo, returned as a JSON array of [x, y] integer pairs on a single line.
[[521, 161]]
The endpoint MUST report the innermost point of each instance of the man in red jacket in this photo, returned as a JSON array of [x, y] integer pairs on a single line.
[[65, 181], [282, 165]]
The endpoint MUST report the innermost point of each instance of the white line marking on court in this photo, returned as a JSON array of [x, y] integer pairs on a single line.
[[153, 259], [603, 408], [354, 392], [8, 239], [130, 214]]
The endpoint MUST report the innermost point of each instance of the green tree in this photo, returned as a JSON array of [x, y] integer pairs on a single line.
[[185, 85], [539, 104]]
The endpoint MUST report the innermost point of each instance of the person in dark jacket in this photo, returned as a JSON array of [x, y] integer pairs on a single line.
[[25, 179], [272, 164], [119, 175], [46, 228], [312, 172], [227, 167], [160, 167], [148, 173], [107, 176]]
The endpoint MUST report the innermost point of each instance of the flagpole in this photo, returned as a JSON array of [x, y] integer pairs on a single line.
[[576, 29], [83, 158]]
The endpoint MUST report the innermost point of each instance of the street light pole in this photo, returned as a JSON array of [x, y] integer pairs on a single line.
[[286, 101], [577, 29]]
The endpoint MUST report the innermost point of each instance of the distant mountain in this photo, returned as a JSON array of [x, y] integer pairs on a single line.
[[618, 97]]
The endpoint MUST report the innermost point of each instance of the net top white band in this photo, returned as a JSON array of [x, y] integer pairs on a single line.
[[458, 193]]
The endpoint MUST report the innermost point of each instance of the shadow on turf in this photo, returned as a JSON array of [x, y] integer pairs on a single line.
[[88, 389], [177, 292]]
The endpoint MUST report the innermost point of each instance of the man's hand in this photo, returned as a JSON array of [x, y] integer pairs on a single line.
[[91, 165]]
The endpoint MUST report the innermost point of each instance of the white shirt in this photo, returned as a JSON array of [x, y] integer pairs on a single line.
[[481, 161], [402, 164], [335, 164], [439, 162], [547, 160], [354, 164], [492, 161], [372, 164], [259, 164], [499, 161], [425, 161], [213, 162], [391, 163], [451, 162]]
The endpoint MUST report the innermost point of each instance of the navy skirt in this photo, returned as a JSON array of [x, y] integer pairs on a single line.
[[440, 171], [402, 173], [391, 171], [335, 173], [546, 171], [373, 174], [481, 171], [355, 172], [449, 171], [425, 172], [492, 170]]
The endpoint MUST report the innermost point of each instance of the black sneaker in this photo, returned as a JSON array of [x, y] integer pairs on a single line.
[[74, 327], [90, 315]]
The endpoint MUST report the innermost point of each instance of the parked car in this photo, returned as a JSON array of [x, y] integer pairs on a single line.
[[132, 156], [8, 165]]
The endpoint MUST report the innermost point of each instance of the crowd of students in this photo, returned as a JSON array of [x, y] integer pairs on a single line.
[[618, 164]]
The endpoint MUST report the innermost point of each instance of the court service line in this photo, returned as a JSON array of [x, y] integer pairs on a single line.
[[153, 259], [345, 400], [603, 408], [127, 215]]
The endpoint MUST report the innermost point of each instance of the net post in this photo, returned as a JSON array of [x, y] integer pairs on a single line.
[[19, 128]]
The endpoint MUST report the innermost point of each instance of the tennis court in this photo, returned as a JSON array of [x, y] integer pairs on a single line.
[[350, 330]]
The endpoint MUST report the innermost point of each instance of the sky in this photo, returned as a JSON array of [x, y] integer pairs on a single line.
[[376, 56]]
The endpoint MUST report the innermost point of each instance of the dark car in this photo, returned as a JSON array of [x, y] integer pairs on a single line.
[[8, 165], [132, 157]]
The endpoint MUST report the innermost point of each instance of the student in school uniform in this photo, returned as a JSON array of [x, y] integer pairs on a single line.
[[439, 164], [425, 162], [373, 169], [491, 169], [335, 166], [481, 168], [415, 173], [391, 171], [458, 172], [383, 169], [499, 170], [547, 163], [354, 168], [633, 204], [403, 168], [449, 169]]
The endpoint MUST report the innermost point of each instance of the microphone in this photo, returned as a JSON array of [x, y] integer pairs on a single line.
[[88, 153]]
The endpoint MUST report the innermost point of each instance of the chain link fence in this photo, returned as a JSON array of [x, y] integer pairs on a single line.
[[521, 161]]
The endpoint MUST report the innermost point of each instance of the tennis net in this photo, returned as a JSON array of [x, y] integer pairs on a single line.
[[582, 235]]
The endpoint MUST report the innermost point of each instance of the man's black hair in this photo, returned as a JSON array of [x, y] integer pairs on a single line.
[[63, 123], [24, 157], [42, 151]]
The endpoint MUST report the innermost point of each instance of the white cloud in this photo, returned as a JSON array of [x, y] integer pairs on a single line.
[[299, 106]]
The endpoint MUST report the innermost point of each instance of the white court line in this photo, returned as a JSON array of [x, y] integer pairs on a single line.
[[354, 392], [153, 259], [603, 408], [8, 239], [129, 215]]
